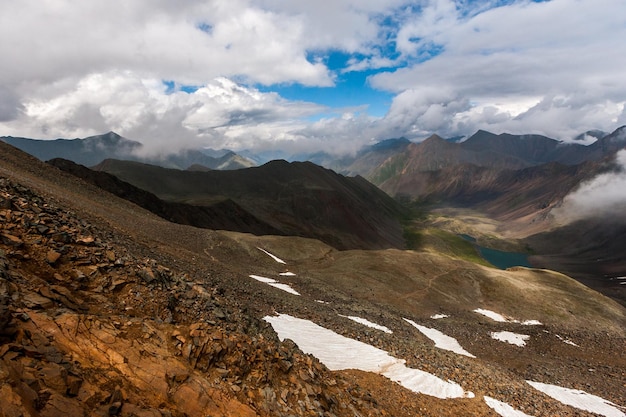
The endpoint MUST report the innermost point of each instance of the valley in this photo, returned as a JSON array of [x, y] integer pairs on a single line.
[[110, 308]]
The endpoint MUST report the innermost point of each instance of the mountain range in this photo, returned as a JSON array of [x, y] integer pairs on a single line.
[[515, 180], [92, 150], [107, 308]]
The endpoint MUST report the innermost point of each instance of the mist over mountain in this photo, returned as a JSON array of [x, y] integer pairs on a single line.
[[92, 150]]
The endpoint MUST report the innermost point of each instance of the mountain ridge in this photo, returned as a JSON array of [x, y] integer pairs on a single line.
[[298, 198], [150, 317]]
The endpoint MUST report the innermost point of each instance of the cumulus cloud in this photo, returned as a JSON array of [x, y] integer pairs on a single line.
[[604, 195], [544, 59], [193, 41], [74, 69], [220, 113]]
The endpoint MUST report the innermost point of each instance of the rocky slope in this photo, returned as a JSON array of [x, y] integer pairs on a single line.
[[106, 309]]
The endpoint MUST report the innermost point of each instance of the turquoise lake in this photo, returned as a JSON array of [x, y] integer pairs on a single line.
[[498, 258]]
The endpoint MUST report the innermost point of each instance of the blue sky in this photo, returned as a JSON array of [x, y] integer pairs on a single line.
[[304, 76], [351, 89]]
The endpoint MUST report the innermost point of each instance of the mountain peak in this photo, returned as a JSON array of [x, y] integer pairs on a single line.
[[390, 144], [434, 138]]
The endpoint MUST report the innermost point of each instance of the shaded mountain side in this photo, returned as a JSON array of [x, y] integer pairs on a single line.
[[299, 198], [222, 215], [369, 158], [506, 195], [92, 150], [590, 250]]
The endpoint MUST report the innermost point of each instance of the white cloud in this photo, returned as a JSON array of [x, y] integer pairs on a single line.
[[221, 113], [78, 68], [55, 39], [556, 63], [603, 195]]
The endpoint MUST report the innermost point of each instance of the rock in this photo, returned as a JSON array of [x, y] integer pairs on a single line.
[[52, 257], [110, 256], [11, 240], [115, 408], [87, 241], [147, 274], [36, 301], [74, 384], [5, 203], [54, 377]]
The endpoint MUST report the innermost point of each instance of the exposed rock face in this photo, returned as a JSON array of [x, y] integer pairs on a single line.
[[88, 329]]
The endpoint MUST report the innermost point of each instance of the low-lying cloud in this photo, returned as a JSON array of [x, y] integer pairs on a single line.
[[604, 195]]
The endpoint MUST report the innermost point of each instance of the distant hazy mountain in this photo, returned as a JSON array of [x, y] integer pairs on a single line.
[[92, 150], [485, 149], [88, 151]]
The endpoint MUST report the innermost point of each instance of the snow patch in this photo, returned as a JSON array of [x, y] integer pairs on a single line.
[[287, 274], [579, 399], [368, 323], [322, 302], [503, 409], [441, 340], [564, 340], [276, 258], [339, 352], [510, 337], [439, 316], [492, 315], [275, 284], [502, 319]]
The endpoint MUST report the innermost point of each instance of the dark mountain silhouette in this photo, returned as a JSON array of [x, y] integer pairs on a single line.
[[298, 198], [590, 250], [222, 215]]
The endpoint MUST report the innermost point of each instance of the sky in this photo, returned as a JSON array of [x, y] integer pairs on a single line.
[[302, 76]]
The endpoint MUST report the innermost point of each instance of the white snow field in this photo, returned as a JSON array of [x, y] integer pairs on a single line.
[[504, 409], [368, 323], [276, 258], [579, 399], [287, 274], [442, 341], [339, 352], [510, 337], [275, 284], [502, 319], [439, 316], [492, 315]]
